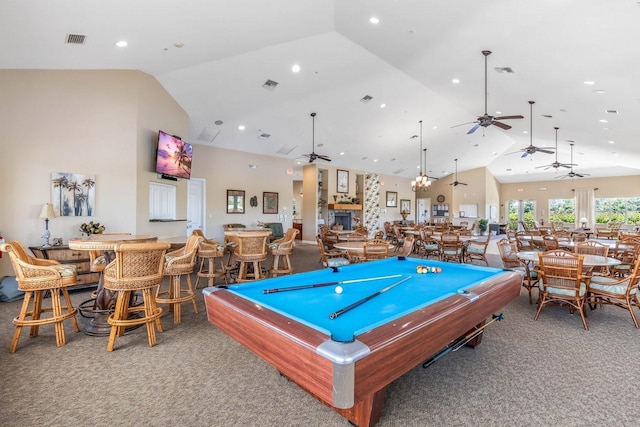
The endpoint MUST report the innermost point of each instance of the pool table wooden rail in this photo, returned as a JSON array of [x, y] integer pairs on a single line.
[[395, 347]]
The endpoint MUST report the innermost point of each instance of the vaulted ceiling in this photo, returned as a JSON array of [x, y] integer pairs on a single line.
[[214, 58]]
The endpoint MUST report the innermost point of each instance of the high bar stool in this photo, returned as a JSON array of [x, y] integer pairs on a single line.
[[179, 263], [250, 253], [36, 277], [137, 267], [209, 251], [280, 250]]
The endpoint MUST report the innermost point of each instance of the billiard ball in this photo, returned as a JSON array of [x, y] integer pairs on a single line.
[[338, 289]]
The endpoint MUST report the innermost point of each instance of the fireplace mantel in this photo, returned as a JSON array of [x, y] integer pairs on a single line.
[[345, 207]]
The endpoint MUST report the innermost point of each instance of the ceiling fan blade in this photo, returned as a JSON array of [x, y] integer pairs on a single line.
[[462, 183], [463, 124], [508, 117], [473, 129], [501, 125], [540, 150], [525, 153], [326, 158]]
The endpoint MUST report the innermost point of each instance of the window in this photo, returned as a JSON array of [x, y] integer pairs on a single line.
[[521, 210], [624, 210], [562, 210]]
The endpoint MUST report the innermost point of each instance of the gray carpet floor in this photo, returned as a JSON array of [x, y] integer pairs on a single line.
[[548, 372]]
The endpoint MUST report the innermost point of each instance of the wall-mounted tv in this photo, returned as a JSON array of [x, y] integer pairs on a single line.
[[173, 158]]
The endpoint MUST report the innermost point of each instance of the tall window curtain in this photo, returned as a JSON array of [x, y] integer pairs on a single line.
[[585, 206]]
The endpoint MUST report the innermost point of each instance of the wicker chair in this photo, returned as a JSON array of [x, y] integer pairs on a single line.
[[280, 251], [610, 231], [178, 263], [550, 242], [37, 277], [408, 244], [427, 246], [477, 249], [332, 257], [451, 248], [627, 252], [621, 292], [375, 249], [508, 250], [138, 267], [593, 247], [210, 251], [562, 282], [249, 254]]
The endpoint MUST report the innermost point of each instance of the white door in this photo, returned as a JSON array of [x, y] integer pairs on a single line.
[[424, 214], [195, 205]]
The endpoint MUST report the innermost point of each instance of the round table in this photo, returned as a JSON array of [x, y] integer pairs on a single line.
[[587, 260], [353, 246], [105, 299]]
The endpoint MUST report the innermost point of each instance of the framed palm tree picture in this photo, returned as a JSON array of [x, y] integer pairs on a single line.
[[73, 194]]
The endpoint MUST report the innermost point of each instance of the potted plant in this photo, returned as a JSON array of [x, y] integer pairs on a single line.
[[482, 225]]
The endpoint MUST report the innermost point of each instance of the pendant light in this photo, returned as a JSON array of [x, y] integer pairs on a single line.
[[422, 181]]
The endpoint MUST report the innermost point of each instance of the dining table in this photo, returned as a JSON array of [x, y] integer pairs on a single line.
[[105, 299], [587, 260], [356, 247]]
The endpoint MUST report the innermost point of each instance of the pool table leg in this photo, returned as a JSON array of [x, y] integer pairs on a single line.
[[365, 412]]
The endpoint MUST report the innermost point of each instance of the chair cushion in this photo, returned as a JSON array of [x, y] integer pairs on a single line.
[[337, 262], [604, 283], [475, 250], [566, 292], [100, 260], [65, 270]]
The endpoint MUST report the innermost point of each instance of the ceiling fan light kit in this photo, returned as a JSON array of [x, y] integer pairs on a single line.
[[422, 182]]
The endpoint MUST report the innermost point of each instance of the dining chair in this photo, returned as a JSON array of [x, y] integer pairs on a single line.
[[138, 267], [375, 249], [451, 248], [37, 278], [476, 250], [562, 282], [407, 246], [593, 247], [550, 242], [332, 257], [179, 263], [627, 251], [427, 246], [618, 291], [508, 250]]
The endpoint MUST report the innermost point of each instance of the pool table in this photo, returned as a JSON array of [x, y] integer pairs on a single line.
[[400, 319]]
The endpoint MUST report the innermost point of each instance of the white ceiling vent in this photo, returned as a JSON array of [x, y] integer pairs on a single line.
[[504, 70], [286, 149], [208, 134], [270, 85], [75, 38], [264, 136], [612, 111], [366, 99]]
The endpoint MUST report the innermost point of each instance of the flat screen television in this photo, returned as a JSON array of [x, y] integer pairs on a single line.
[[173, 156]]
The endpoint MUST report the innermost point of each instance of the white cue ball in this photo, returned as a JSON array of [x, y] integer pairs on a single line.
[[338, 289]]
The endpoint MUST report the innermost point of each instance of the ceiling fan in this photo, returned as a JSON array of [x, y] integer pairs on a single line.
[[531, 149], [571, 173], [455, 183], [556, 164], [487, 120], [313, 156]]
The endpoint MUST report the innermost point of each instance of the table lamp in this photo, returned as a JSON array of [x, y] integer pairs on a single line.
[[583, 222], [47, 213]]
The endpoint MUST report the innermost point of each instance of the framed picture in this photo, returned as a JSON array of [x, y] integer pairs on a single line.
[[343, 181], [405, 205], [269, 203], [235, 201], [392, 199]]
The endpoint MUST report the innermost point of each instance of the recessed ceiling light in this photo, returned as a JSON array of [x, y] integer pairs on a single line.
[[435, 127], [455, 81], [375, 160], [589, 82], [295, 68], [241, 127], [342, 153], [603, 121], [178, 44], [612, 142], [498, 112], [121, 43], [600, 91], [525, 131], [383, 105], [374, 20]]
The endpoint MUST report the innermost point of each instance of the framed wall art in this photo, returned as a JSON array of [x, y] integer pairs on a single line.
[[392, 199], [269, 203], [343, 181], [405, 205], [235, 201]]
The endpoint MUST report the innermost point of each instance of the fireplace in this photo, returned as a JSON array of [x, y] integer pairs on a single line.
[[343, 218]]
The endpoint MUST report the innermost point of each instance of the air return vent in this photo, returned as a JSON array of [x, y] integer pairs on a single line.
[[76, 38]]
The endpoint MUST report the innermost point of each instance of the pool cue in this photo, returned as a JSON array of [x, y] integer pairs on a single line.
[[454, 346], [319, 285], [365, 299]]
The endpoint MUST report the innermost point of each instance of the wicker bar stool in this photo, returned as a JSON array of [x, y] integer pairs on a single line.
[[250, 253], [178, 263], [208, 252], [280, 250], [138, 267], [36, 277]]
